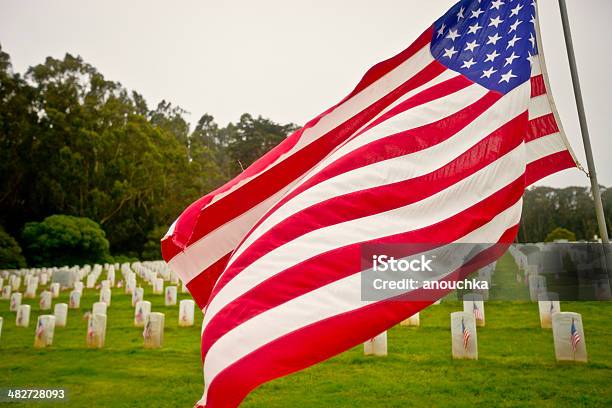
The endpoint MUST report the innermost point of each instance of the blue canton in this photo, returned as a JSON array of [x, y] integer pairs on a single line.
[[492, 42]]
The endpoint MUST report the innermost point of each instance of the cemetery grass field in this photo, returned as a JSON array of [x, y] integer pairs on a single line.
[[517, 366]]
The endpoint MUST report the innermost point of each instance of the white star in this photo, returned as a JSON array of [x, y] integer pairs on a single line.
[[513, 41], [471, 46], [491, 57], [488, 73], [452, 34], [497, 4], [507, 77], [514, 26], [516, 10], [476, 13], [533, 19], [495, 22], [460, 13], [532, 58], [474, 29], [468, 64], [532, 40], [493, 40], [441, 30], [510, 59], [449, 52]]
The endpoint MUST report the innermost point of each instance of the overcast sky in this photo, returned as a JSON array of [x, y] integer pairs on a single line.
[[287, 60]]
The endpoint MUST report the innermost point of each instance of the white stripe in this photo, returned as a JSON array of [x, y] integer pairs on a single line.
[[429, 211], [536, 68], [405, 167], [331, 300], [544, 146], [350, 108], [539, 106]]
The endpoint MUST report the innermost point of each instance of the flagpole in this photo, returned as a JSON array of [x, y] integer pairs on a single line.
[[601, 220]]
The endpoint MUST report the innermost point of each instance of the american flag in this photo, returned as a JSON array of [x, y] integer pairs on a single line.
[[574, 336], [139, 315], [466, 334], [147, 330], [477, 312], [40, 328], [436, 144], [90, 328]]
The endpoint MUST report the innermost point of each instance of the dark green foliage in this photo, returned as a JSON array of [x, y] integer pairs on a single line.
[[560, 233], [546, 208], [73, 142], [10, 252], [65, 240], [152, 251]]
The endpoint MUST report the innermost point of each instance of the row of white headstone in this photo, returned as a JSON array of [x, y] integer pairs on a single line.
[[568, 332], [152, 322]]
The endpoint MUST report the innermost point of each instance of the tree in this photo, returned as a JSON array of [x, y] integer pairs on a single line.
[[10, 252], [65, 240], [152, 248], [560, 233]]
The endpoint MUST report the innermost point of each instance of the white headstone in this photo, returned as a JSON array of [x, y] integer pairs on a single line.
[[130, 285], [91, 281], [376, 346], [15, 301], [153, 332], [414, 320], [74, 301], [568, 336], [141, 311], [15, 283], [537, 286], [44, 331], [45, 300], [78, 286], [105, 296], [55, 289], [548, 304], [106, 284], [1, 322], [137, 296], [23, 316], [99, 308], [186, 312], [170, 298], [6, 292], [96, 330], [44, 278], [184, 288], [158, 286], [60, 311], [463, 334], [473, 302], [30, 292]]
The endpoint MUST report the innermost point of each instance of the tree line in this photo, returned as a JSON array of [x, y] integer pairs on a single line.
[[75, 143]]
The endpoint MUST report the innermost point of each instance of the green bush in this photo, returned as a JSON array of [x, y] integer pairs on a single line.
[[65, 240], [10, 252], [560, 233]]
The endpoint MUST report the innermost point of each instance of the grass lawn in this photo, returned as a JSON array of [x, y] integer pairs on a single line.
[[517, 366]]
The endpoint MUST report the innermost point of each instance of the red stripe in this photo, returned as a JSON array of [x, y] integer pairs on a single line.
[[341, 262], [303, 347], [394, 146], [538, 87], [201, 285], [183, 234], [548, 165], [541, 126]]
